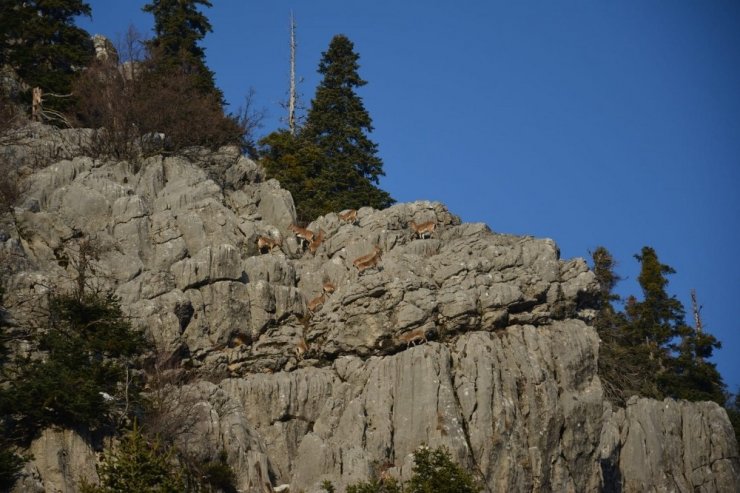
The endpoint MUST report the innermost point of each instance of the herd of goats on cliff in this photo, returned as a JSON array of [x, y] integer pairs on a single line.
[[312, 241]]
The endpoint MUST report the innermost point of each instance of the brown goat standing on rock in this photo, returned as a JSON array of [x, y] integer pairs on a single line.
[[306, 236], [316, 243], [266, 244], [367, 261], [315, 303], [415, 336], [301, 348], [349, 216], [423, 230], [329, 287]]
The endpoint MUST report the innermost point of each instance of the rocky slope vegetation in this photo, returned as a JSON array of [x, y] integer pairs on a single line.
[[507, 379]]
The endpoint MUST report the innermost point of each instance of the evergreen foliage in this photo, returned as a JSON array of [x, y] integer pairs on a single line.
[[86, 345], [376, 486], [178, 27], [39, 40], [655, 320], [218, 475], [434, 472], [649, 350], [330, 164], [138, 465], [296, 163], [603, 269], [10, 466], [10, 462]]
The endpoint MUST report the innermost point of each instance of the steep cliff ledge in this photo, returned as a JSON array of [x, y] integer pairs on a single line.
[[507, 379]]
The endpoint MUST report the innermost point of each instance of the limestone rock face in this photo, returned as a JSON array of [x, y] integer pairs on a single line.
[[470, 339], [61, 459]]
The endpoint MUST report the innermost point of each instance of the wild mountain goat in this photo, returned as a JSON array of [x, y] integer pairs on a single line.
[[266, 244], [316, 242], [415, 336], [423, 230], [369, 260], [349, 216], [306, 236]]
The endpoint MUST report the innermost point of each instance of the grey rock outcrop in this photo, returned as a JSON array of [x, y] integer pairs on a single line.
[[61, 460], [507, 380]]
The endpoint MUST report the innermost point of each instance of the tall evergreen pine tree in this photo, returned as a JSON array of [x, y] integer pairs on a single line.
[[655, 320], [178, 27], [680, 351], [625, 367], [330, 164], [650, 350], [337, 124], [604, 270], [39, 40]]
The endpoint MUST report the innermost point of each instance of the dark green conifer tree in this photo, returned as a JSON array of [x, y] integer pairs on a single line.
[[39, 40], [621, 366], [337, 124], [138, 464], [296, 164], [179, 26], [650, 350], [655, 320], [435, 471], [10, 462], [88, 344], [691, 375], [603, 267]]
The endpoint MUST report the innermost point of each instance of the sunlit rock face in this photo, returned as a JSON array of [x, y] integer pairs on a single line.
[[503, 371]]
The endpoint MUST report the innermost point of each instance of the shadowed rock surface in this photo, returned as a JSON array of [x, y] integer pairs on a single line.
[[507, 380]]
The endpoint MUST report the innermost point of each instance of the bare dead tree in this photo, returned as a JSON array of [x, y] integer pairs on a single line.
[[696, 309], [36, 97], [170, 410], [47, 115], [293, 104], [82, 261], [292, 93]]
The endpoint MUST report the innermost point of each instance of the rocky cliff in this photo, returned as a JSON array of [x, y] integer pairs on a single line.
[[506, 379]]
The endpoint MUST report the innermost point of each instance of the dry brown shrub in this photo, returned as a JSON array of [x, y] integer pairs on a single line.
[[174, 105], [139, 109]]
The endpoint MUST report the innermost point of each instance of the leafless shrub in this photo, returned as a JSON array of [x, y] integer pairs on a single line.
[[11, 118], [174, 105], [170, 410], [250, 118], [105, 102], [139, 109]]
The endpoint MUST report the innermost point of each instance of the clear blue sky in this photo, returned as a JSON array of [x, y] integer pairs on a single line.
[[590, 122]]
